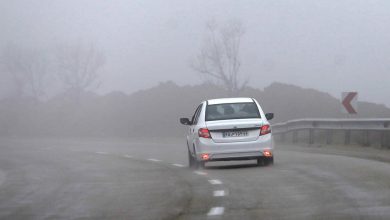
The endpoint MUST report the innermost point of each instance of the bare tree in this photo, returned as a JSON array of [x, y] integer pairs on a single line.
[[27, 68], [78, 67], [219, 58]]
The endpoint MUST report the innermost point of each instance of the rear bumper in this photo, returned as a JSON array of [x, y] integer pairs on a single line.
[[235, 158], [235, 150]]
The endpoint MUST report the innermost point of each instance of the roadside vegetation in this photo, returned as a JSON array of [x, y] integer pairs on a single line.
[[155, 112]]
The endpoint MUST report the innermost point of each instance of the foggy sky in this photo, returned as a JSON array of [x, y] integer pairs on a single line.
[[332, 46]]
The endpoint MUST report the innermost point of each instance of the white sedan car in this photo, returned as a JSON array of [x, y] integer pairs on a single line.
[[229, 129]]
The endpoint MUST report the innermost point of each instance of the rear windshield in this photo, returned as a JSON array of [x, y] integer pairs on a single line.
[[232, 111]]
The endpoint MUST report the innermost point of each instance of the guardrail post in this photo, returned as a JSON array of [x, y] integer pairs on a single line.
[[311, 136], [347, 137], [283, 137], [329, 135], [383, 139], [383, 135], [367, 138], [295, 136]]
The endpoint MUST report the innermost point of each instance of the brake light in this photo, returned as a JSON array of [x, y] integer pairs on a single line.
[[267, 153], [265, 129], [204, 133], [205, 156]]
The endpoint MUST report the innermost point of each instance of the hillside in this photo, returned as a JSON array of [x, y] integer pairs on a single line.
[[155, 111]]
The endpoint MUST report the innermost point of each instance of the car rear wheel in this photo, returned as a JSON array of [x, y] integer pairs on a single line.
[[265, 161], [191, 161], [271, 160], [196, 163], [199, 164], [260, 162]]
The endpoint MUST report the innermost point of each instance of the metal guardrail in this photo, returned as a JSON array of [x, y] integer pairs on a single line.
[[381, 125]]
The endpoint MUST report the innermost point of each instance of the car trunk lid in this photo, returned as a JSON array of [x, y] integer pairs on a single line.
[[237, 130]]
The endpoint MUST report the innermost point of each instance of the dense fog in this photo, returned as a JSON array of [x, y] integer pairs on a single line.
[[194, 109], [88, 60]]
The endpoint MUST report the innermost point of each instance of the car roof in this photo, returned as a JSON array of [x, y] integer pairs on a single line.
[[228, 100]]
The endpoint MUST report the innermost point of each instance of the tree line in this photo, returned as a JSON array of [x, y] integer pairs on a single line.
[[32, 72], [75, 68]]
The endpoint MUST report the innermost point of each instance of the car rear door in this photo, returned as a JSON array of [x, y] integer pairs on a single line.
[[193, 133]]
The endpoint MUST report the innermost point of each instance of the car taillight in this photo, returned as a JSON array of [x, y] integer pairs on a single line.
[[205, 156], [265, 129], [204, 133], [267, 153]]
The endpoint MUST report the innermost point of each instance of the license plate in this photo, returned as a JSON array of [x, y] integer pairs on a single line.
[[227, 134]]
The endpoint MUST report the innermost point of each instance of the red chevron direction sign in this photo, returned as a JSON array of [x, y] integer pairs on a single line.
[[349, 102]]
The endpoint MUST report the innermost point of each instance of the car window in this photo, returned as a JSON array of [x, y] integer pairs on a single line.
[[232, 111], [197, 114], [194, 117]]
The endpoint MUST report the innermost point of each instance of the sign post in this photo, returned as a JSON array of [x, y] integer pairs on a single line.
[[349, 102]]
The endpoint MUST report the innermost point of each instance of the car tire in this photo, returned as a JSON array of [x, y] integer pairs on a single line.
[[201, 164], [267, 161], [271, 161], [260, 161], [198, 164], [191, 161]]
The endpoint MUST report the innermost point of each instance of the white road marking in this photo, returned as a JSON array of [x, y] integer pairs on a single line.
[[216, 211], [200, 173], [154, 160], [101, 152], [178, 165], [128, 156], [215, 182], [219, 193]]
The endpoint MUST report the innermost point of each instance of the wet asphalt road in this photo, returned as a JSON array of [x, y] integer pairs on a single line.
[[128, 179]]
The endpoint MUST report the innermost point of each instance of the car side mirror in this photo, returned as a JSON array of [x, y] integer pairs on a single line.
[[269, 116], [185, 121]]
